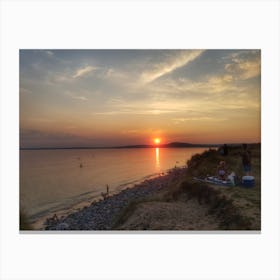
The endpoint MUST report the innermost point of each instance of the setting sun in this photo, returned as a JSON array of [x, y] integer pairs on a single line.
[[156, 140], [99, 120]]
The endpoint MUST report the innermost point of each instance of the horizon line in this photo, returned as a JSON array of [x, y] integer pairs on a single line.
[[175, 145]]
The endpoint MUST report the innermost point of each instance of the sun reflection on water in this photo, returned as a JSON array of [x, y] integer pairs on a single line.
[[157, 158]]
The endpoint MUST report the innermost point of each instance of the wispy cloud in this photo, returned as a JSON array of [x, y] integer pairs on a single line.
[[173, 90], [83, 71], [184, 88], [243, 67], [112, 73], [76, 96], [170, 64], [147, 131], [82, 98], [135, 111], [185, 97], [214, 119]]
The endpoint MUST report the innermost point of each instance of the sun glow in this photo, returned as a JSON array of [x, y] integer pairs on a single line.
[[156, 140]]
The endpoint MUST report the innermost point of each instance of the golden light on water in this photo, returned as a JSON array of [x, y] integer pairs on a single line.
[[157, 159]]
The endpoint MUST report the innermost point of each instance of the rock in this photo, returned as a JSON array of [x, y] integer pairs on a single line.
[[62, 226]]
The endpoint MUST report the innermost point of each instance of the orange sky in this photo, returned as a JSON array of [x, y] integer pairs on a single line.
[[122, 97]]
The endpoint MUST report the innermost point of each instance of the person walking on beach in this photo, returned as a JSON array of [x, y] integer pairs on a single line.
[[246, 159]]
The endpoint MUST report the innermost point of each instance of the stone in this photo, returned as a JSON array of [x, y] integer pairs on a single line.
[[62, 226]]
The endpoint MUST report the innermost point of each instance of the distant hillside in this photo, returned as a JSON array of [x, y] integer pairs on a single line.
[[186, 145], [169, 145]]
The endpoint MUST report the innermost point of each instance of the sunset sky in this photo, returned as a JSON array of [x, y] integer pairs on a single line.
[[121, 97]]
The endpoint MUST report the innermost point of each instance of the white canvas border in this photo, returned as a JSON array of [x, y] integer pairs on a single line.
[[156, 24]]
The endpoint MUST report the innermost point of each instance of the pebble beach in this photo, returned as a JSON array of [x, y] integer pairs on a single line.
[[101, 215]]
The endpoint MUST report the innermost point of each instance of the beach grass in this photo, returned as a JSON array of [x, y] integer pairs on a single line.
[[234, 208]]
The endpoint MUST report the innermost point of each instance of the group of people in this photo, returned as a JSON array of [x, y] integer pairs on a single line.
[[222, 170]]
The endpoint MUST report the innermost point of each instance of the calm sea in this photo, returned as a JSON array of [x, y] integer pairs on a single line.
[[60, 180]]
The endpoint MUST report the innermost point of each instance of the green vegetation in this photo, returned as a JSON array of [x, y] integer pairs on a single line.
[[234, 208]]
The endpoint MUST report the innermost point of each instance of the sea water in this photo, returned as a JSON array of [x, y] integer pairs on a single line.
[[62, 179]]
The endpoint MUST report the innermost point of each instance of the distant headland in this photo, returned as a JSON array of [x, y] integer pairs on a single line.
[[169, 145]]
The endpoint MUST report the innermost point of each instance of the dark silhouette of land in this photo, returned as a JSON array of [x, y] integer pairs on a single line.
[[169, 145]]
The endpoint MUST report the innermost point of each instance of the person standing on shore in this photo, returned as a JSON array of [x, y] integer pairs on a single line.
[[246, 159], [224, 150]]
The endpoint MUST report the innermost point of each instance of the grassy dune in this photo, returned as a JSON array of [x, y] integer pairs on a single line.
[[191, 205]]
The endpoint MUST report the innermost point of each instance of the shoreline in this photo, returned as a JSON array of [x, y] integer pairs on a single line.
[[101, 215], [175, 201], [38, 222]]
